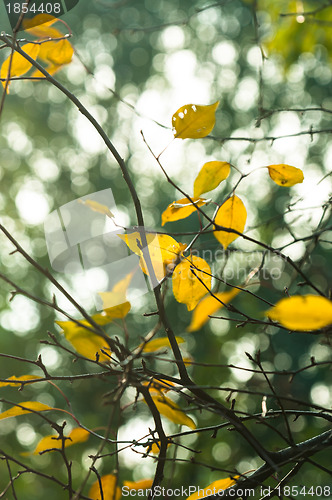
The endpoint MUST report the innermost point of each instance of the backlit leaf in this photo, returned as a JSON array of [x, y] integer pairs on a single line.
[[285, 175], [77, 435], [28, 407], [232, 214], [56, 52], [163, 250], [210, 176], [97, 207], [86, 342], [115, 303], [142, 484], [214, 488], [18, 379], [110, 490], [156, 344], [208, 306], [39, 25], [302, 312], [19, 65], [193, 121], [172, 411], [181, 209], [155, 447], [188, 288]]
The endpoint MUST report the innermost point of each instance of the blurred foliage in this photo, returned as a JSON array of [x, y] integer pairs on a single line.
[[135, 64]]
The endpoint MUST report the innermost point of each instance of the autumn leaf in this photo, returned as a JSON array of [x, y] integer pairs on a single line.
[[77, 435], [210, 176], [208, 306], [115, 303], [181, 209], [155, 447], [86, 342], [16, 380], [285, 175], [142, 484], [302, 312], [39, 25], [109, 486], [193, 121], [190, 286], [19, 65], [27, 407], [233, 215], [172, 411], [163, 250], [156, 344], [97, 207], [215, 487]]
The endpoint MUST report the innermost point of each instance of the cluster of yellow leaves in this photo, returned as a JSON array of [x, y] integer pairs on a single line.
[[302, 313], [214, 488], [111, 491], [50, 47]]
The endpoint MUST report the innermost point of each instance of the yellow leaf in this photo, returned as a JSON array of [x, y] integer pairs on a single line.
[[143, 484], [28, 407], [214, 488], [19, 65], [41, 22], [208, 306], [85, 341], [97, 207], [163, 250], [187, 288], [181, 209], [232, 214], [18, 379], [77, 435], [172, 411], [193, 121], [156, 344], [302, 312], [210, 176], [285, 175], [115, 303], [58, 53], [155, 447], [110, 490]]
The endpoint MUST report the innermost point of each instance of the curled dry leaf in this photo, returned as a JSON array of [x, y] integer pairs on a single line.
[[181, 209], [302, 312], [210, 176], [194, 121], [233, 215]]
